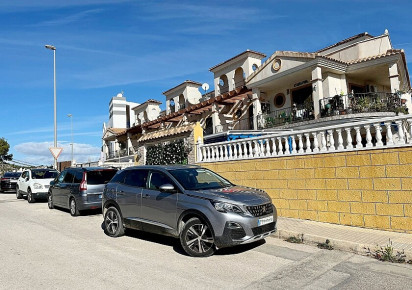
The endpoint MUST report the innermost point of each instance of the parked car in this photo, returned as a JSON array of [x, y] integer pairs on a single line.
[[196, 205], [34, 183], [9, 180], [79, 189]]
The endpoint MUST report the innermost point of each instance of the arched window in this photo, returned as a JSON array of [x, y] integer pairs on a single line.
[[239, 78]]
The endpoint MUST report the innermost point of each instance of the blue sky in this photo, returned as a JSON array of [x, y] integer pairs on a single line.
[[144, 48]]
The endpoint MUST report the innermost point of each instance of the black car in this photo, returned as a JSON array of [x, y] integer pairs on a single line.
[[9, 181]]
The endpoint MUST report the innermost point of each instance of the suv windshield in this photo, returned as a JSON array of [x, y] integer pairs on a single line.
[[43, 174], [100, 176], [199, 178]]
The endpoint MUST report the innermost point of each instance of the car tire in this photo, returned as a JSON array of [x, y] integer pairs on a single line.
[[113, 223], [74, 210], [50, 201], [197, 238], [30, 197], [18, 193]]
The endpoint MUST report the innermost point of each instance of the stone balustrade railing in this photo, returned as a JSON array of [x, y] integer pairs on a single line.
[[375, 133]]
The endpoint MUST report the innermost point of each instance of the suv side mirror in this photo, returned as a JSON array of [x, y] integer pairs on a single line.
[[167, 188]]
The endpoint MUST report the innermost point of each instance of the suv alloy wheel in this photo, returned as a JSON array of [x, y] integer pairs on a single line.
[[30, 198], [113, 223], [50, 201], [18, 193], [74, 211], [197, 238]]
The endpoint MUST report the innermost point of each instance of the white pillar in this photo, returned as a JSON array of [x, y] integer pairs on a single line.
[[129, 144], [317, 90], [394, 77], [231, 80], [216, 119], [257, 108], [167, 107]]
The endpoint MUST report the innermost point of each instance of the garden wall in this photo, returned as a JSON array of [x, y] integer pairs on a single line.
[[371, 188]]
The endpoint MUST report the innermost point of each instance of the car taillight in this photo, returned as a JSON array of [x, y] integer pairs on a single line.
[[83, 184], [4, 179]]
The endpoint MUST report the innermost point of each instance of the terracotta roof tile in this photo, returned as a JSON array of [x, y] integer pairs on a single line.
[[166, 132], [345, 41], [388, 53], [240, 54]]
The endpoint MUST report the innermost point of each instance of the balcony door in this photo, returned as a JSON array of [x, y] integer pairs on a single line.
[[302, 95]]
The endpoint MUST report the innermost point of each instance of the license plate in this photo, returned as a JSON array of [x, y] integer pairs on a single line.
[[100, 196], [264, 221], [13, 181]]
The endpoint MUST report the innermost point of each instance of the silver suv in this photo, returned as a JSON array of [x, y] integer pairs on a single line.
[[194, 204]]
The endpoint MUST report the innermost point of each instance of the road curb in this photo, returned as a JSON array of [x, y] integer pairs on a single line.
[[347, 246]]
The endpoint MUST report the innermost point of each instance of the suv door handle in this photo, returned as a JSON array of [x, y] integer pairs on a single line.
[[145, 195], [121, 192]]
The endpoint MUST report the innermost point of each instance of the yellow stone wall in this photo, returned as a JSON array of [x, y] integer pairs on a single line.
[[371, 189]]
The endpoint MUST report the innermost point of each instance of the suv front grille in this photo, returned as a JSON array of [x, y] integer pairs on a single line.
[[260, 210]]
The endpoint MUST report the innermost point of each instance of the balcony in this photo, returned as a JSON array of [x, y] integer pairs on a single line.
[[385, 132], [295, 114], [362, 103]]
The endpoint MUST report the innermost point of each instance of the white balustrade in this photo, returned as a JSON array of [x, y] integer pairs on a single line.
[[376, 134], [293, 145], [300, 144], [331, 141], [308, 149], [323, 147], [340, 139], [349, 144], [280, 147]]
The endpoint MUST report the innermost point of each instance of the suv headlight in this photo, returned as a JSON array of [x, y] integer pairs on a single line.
[[37, 186], [228, 207]]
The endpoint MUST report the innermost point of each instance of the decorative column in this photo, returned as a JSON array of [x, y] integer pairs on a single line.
[[317, 90], [358, 138], [389, 136], [400, 132], [257, 109], [349, 144]]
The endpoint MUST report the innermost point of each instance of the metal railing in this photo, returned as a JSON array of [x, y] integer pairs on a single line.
[[285, 116], [361, 103], [383, 133]]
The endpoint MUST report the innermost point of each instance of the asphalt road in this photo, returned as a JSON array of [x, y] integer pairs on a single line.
[[49, 249]]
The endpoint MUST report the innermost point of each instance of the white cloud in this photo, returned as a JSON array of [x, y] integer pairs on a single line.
[[39, 153], [70, 18]]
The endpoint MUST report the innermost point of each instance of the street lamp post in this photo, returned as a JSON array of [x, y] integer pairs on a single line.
[[51, 47], [71, 132]]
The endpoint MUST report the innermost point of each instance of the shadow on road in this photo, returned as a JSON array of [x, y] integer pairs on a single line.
[[177, 247]]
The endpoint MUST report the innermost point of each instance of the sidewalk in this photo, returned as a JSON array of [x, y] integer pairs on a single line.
[[346, 238]]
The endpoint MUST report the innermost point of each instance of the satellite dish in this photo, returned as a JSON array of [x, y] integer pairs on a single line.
[[205, 87]]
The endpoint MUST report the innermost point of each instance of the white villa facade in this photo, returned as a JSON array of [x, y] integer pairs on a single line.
[[360, 78]]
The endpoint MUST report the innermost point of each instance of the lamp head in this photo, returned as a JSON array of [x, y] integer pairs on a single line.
[[48, 46]]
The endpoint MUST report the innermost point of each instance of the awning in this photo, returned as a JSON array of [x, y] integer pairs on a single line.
[[166, 132]]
